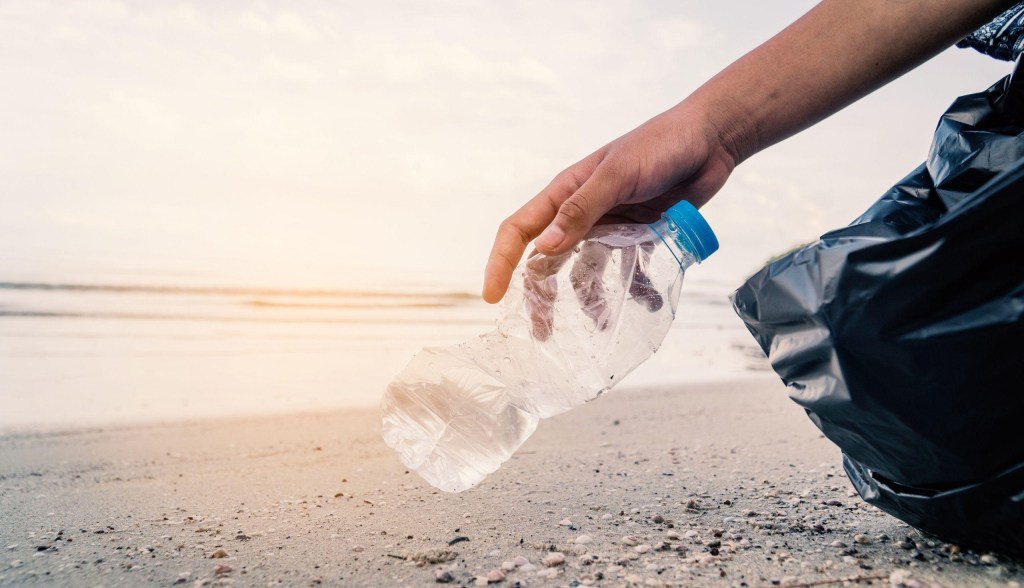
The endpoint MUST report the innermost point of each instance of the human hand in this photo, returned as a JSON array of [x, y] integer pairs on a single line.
[[633, 179]]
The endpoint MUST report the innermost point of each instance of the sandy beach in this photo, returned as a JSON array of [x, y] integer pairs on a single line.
[[725, 484]]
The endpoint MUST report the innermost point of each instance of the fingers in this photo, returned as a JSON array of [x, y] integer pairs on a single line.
[[587, 279], [540, 289], [578, 213], [640, 287], [514, 234]]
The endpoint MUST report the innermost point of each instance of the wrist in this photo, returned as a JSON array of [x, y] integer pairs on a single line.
[[727, 122]]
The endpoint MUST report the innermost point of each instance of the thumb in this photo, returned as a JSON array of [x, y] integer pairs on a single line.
[[578, 213]]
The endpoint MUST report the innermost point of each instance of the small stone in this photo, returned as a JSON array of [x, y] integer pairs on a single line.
[[520, 561], [508, 566], [989, 559], [658, 519], [555, 558], [218, 554], [17, 563], [862, 539], [222, 569], [480, 581], [899, 577], [644, 548], [527, 567], [358, 548], [834, 502], [691, 534], [630, 540], [606, 516], [672, 535], [495, 576], [749, 513], [906, 544], [583, 540], [444, 577], [565, 523], [837, 543], [12, 547]]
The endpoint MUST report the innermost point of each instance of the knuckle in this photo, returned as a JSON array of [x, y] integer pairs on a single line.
[[575, 209]]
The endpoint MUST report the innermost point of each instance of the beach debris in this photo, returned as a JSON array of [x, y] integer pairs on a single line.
[[221, 569], [339, 494], [632, 540], [219, 553], [433, 556], [495, 576], [583, 540], [555, 558], [458, 539], [444, 576]]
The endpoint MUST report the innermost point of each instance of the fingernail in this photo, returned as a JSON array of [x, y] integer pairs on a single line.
[[551, 237]]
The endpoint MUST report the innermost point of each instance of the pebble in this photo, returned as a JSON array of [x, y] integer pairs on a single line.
[[357, 548], [565, 523], [221, 569], [553, 559], [444, 576], [989, 559], [520, 561], [834, 502], [630, 540], [480, 581], [527, 567], [508, 566], [691, 534], [862, 539], [495, 576], [606, 517], [658, 519], [12, 547], [838, 543], [672, 535], [583, 540], [218, 554], [644, 548]]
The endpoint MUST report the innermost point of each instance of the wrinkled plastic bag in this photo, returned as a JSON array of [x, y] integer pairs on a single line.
[[902, 334]]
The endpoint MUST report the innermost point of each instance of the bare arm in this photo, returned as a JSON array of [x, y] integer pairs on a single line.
[[835, 54]]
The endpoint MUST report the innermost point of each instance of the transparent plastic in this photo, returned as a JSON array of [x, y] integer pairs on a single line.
[[572, 326]]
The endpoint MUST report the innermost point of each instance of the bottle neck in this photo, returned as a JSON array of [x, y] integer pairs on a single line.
[[677, 241]]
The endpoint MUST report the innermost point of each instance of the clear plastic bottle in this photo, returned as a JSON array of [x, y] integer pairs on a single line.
[[572, 326]]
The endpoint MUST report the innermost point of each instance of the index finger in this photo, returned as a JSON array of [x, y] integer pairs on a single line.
[[516, 232]]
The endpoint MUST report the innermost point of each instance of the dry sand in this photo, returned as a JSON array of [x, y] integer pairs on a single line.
[[724, 484]]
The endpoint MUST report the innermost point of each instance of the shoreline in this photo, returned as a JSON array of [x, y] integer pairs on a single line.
[[726, 483]]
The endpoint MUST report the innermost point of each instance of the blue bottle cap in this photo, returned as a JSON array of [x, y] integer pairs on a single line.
[[694, 228]]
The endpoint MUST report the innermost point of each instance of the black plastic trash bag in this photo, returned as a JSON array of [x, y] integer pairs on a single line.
[[902, 335]]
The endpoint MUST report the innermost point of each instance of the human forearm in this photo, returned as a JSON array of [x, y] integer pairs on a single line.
[[835, 54]]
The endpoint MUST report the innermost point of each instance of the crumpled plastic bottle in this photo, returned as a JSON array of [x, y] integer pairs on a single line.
[[572, 327]]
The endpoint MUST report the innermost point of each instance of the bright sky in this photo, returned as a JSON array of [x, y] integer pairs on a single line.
[[311, 143]]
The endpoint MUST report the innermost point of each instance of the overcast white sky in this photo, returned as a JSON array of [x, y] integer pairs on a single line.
[[310, 143]]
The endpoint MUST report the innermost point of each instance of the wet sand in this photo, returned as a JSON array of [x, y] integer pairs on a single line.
[[724, 484]]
